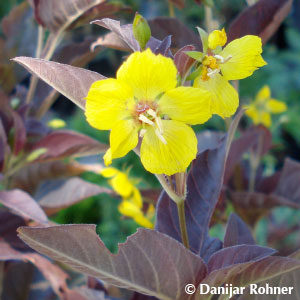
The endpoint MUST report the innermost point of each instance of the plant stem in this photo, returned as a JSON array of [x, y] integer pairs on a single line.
[[182, 224], [254, 163], [209, 23], [171, 193], [171, 9], [34, 79]]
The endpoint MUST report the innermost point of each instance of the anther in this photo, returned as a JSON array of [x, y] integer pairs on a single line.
[[144, 119]]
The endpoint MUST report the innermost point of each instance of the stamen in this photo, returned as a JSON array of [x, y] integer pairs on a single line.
[[213, 72], [144, 119], [159, 135], [227, 58], [151, 112], [159, 124], [220, 58]]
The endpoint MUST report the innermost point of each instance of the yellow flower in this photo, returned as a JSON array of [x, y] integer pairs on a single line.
[[56, 123], [132, 203], [144, 102], [261, 109], [238, 60]]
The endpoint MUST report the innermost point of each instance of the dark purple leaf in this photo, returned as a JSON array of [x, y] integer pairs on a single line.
[[72, 82], [164, 47], [248, 140], [23, 205], [19, 133], [144, 263], [243, 274], [290, 279], [182, 61], [20, 35], [262, 19], [288, 185], [237, 232], [181, 34], [252, 206], [57, 194], [237, 255], [67, 143], [57, 15], [123, 33]]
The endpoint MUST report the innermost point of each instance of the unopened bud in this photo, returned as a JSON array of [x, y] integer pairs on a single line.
[[141, 30]]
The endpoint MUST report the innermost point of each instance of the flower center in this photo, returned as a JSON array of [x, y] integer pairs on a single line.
[[147, 115], [211, 65]]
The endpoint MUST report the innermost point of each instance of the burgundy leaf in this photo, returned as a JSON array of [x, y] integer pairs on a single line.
[[29, 177], [23, 205], [84, 293], [237, 232], [55, 195], [288, 185], [244, 274], [204, 184], [290, 279], [72, 82], [144, 263], [123, 33], [51, 272], [262, 19], [19, 133], [20, 35], [252, 206], [237, 255], [182, 61], [248, 140], [181, 34], [57, 15], [160, 47], [67, 143]]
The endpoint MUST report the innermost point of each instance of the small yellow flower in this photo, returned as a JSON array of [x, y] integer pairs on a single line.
[[144, 102], [217, 38], [238, 60], [261, 109], [132, 203], [56, 123]]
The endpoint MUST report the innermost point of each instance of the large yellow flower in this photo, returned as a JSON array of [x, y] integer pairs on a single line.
[[238, 60], [261, 109], [144, 102], [132, 202]]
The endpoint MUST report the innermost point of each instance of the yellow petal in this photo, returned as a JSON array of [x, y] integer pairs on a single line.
[[265, 119], [107, 157], [275, 106], [148, 74], [245, 58], [186, 104], [128, 209], [217, 38], [109, 172], [122, 185], [253, 114], [143, 221], [225, 99], [137, 198], [123, 138], [264, 93], [174, 156], [106, 103]]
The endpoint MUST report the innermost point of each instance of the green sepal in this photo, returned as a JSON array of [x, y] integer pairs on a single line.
[[204, 38], [141, 30], [197, 55]]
